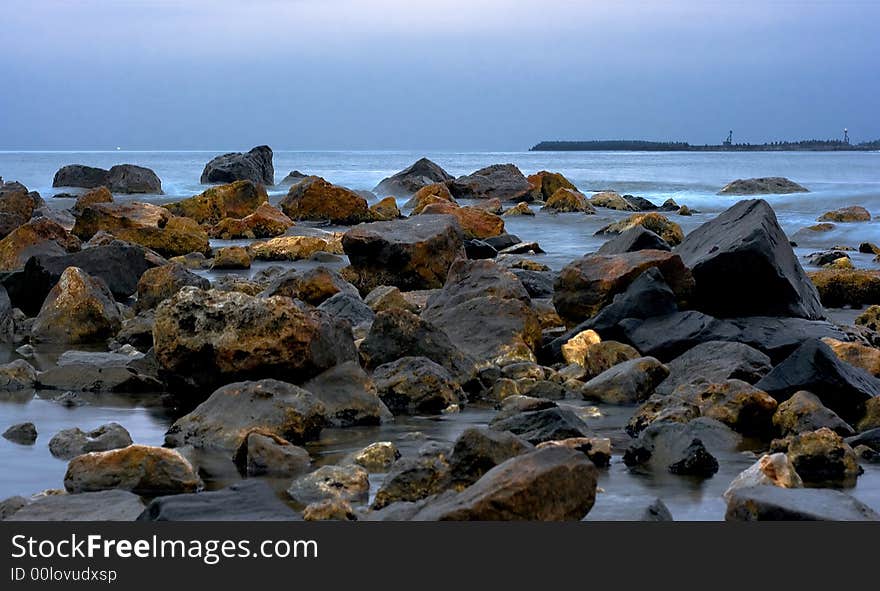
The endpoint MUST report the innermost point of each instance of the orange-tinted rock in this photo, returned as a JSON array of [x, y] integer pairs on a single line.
[[79, 309], [475, 222], [847, 287], [385, 210], [568, 200], [313, 198], [234, 200], [97, 195], [265, 222], [38, 236], [655, 222], [544, 184], [853, 213]]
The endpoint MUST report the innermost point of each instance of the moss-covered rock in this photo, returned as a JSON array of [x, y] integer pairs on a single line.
[[315, 199], [847, 287], [655, 222]]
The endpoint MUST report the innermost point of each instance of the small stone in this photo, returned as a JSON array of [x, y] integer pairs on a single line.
[[22, 433], [329, 510], [377, 457], [349, 483]]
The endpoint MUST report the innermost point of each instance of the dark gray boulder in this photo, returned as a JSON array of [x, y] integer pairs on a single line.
[[774, 503], [349, 396], [249, 500], [498, 181], [412, 385], [107, 505], [478, 450], [539, 426], [636, 238], [255, 165], [21, 433], [128, 178], [686, 446], [420, 174], [79, 175], [69, 443], [716, 361], [743, 265], [814, 367], [347, 306], [610, 507]]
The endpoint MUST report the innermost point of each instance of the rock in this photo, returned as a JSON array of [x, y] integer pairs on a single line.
[[416, 385], [413, 479], [231, 413], [521, 208], [635, 238], [735, 403], [695, 461], [762, 186], [742, 248], [248, 500], [17, 206], [715, 362], [666, 337], [40, 236], [411, 179], [294, 248], [21, 433], [661, 408], [628, 508], [853, 213], [293, 177], [861, 356], [398, 333], [255, 166], [17, 375], [349, 307], [433, 193], [79, 309], [145, 224], [601, 356], [847, 287], [588, 284], [598, 449], [869, 248], [773, 503], [349, 396], [554, 484], [69, 443], [538, 284], [349, 483], [97, 195], [545, 184], [626, 383], [100, 372], [160, 283], [814, 367], [329, 510], [209, 337], [501, 181], [315, 199], [128, 178], [238, 199], [568, 200], [268, 454], [478, 450], [826, 258], [385, 210], [804, 412], [542, 424], [821, 458], [668, 231], [870, 318], [411, 254], [377, 457], [575, 349], [871, 419], [79, 175], [265, 222], [141, 469], [664, 444], [107, 505], [612, 200], [119, 264], [312, 286], [475, 222], [770, 470], [388, 297], [231, 257]]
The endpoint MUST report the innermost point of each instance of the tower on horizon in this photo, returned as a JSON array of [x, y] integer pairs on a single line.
[[846, 136], [729, 140]]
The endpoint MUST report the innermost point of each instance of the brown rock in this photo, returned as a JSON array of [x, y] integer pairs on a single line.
[[568, 200], [870, 318], [97, 195], [804, 412], [160, 283], [863, 356], [79, 309], [521, 208], [234, 200], [265, 222], [735, 403], [821, 458], [544, 184], [141, 469], [313, 198], [502, 181], [475, 222], [853, 213], [385, 210], [428, 194], [612, 200], [38, 236], [655, 222], [232, 257], [294, 248], [847, 287]]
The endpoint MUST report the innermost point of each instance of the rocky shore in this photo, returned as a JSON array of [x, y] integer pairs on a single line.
[[699, 355]]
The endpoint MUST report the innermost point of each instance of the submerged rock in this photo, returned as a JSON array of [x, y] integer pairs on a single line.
[[770, 470], [568, 200], [21, 433], [668, 231], [17, 375], [821, 458], [349, 396], [413, 479], [377, 457], [629, 508], [255, 166], [773, 503], [635, 238], [107, 505], [853, 213], [847, 287], [762, 186], [248, 500], [70, 443], [268, 454], [543, 424], [141, 469]]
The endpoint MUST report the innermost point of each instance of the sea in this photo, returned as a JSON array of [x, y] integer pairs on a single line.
[[834, 179]]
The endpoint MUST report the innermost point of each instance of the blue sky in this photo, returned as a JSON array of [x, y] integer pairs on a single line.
[[444, 74]]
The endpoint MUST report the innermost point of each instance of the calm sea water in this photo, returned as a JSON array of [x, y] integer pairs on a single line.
[[834, 179]]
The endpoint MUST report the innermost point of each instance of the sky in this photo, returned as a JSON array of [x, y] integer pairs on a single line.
[[432, 74]]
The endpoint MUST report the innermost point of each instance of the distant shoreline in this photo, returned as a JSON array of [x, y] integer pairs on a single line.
[[648, 146]]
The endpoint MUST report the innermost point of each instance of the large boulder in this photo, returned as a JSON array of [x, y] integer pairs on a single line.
[[210, 337], [80, 175], [420, 174], [475, 222], [805, 412], [315, 199], [294, 248], [762, 186], [145, 224], [847, 287], [626, 383], [234, 200], [39, 236], [588, 284], [743, 265], [552, 484], [119, 264], [546, 422], [774, 503], [141, 469], [398, 333], [265, 222], [416, 385], [17, 205], [814, 367], [501, 181], [312, 286], [231, 413], [160, 283], [249, 500], [79, 309], [122, 178], [105, 505], [544, 184], [478, 450], [255, 166], [716, 361], [69, 443], [411, 254], [349, 396]]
